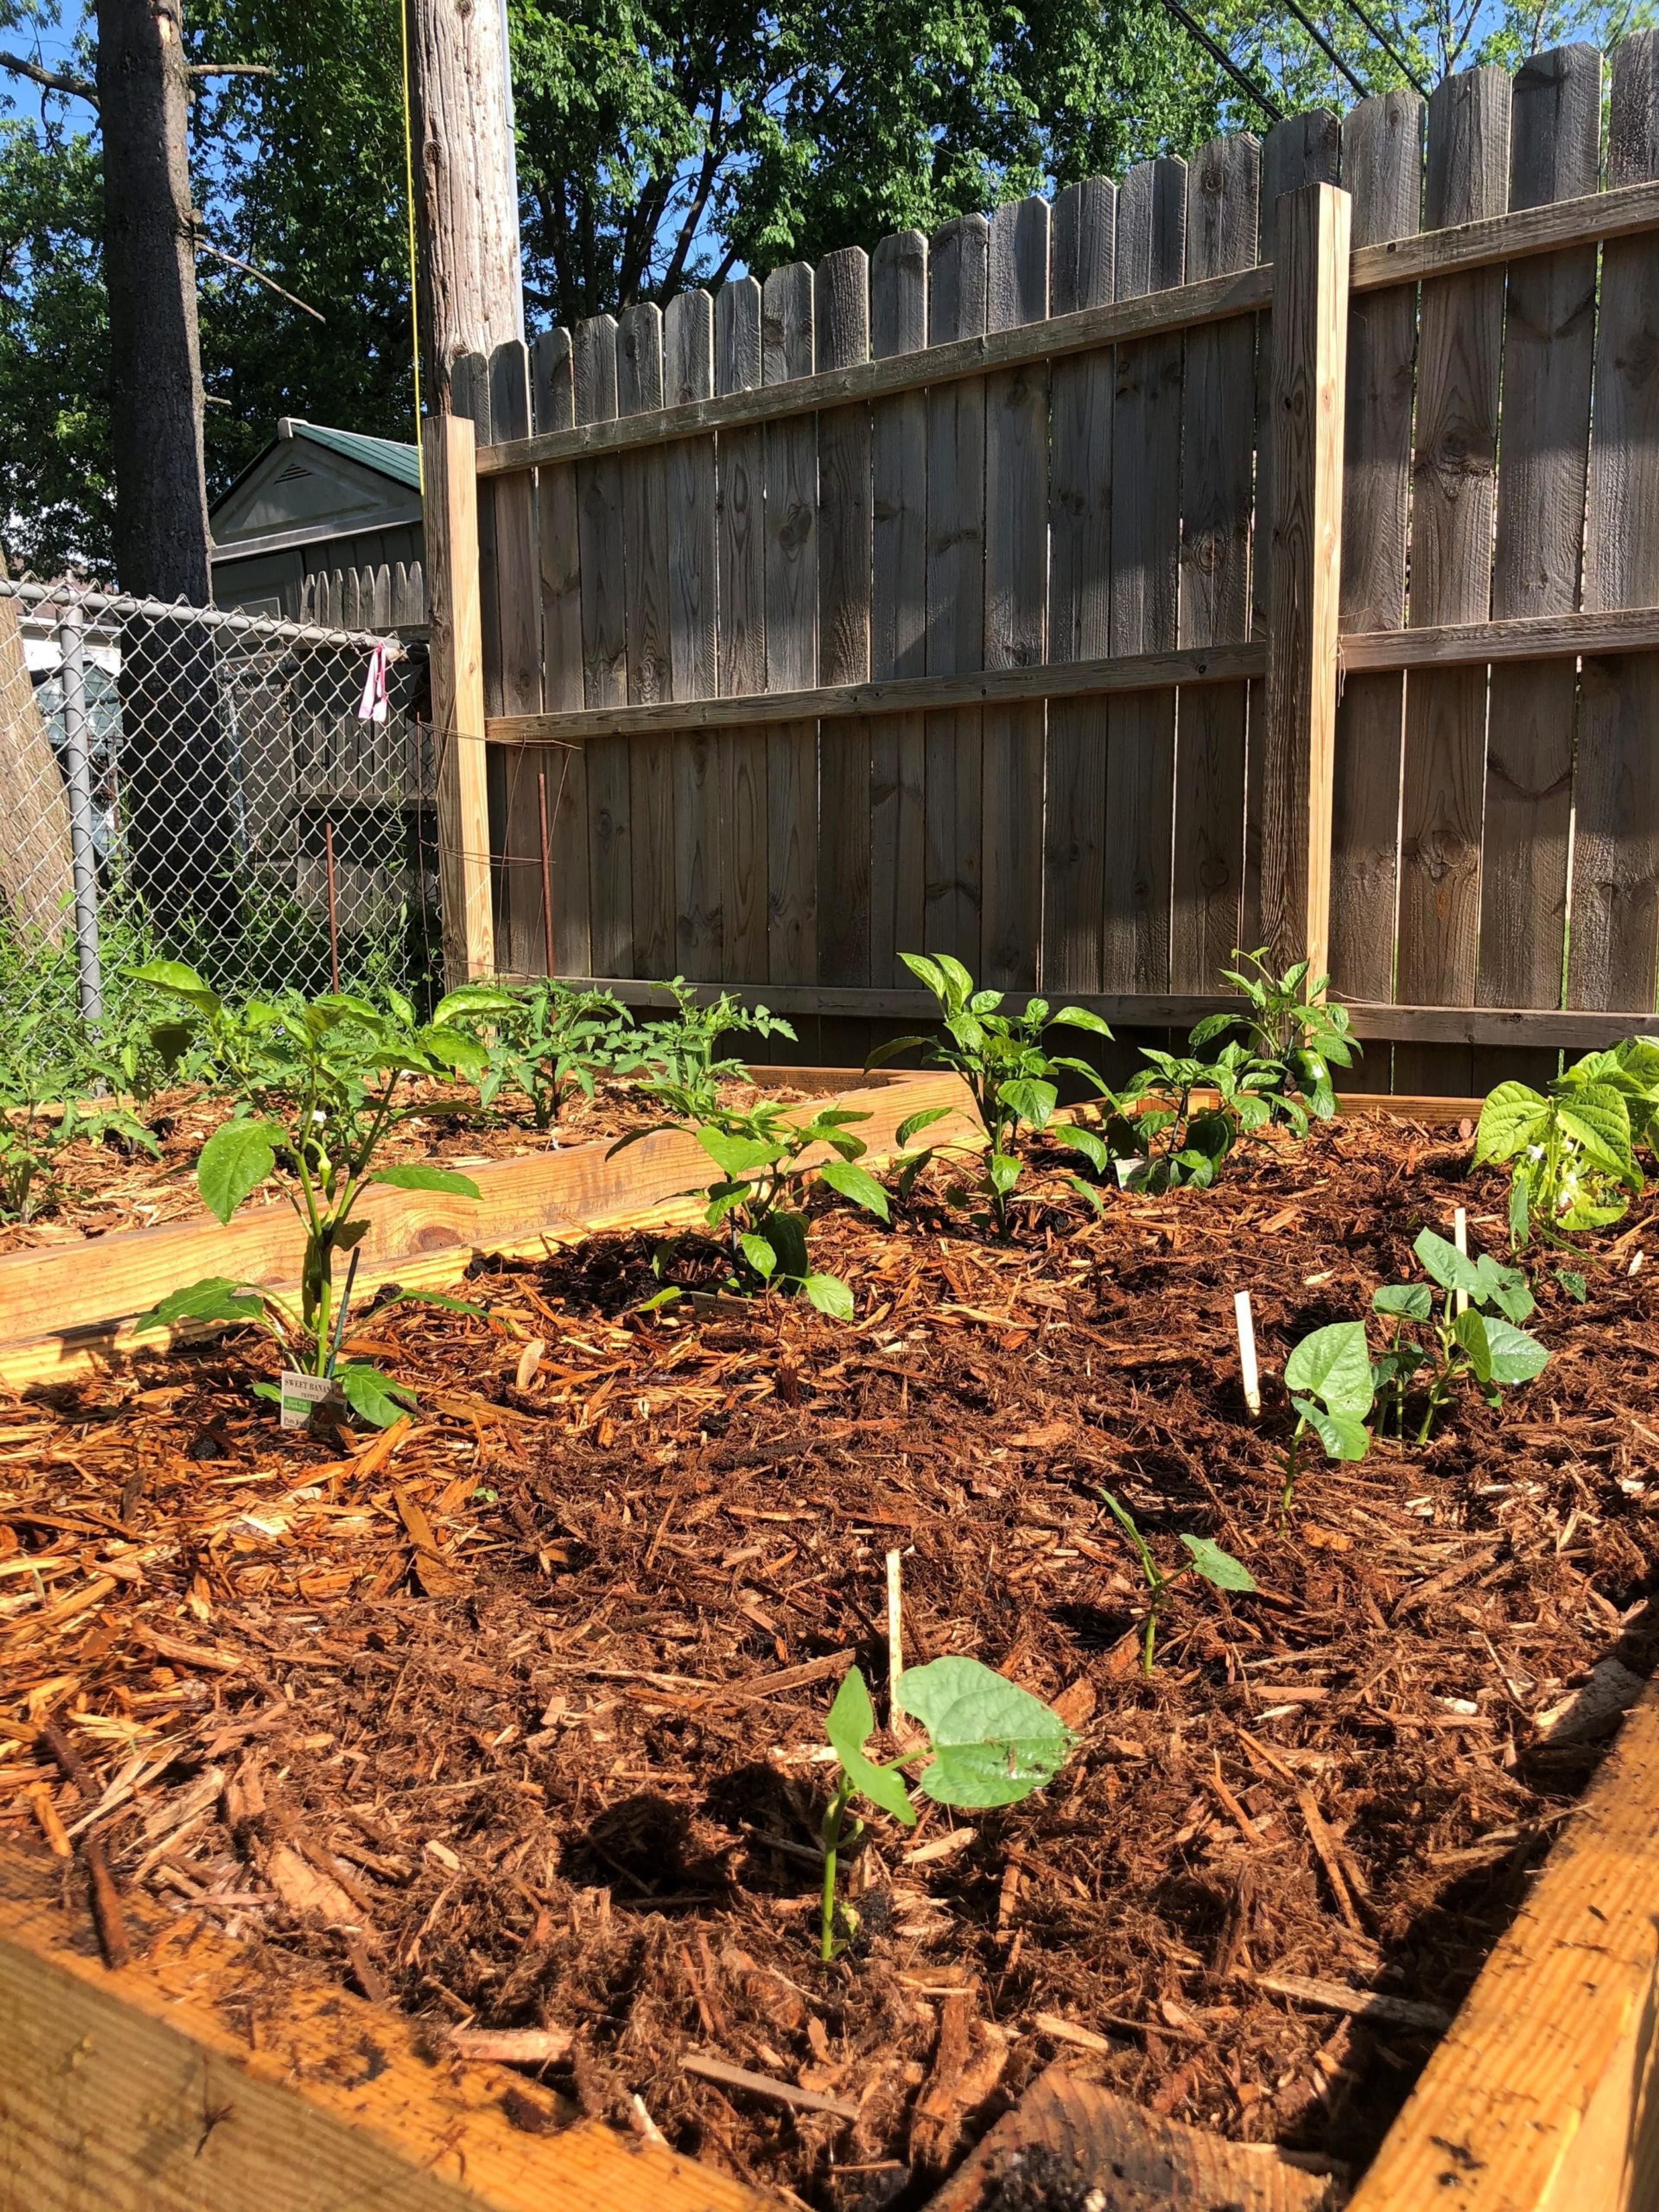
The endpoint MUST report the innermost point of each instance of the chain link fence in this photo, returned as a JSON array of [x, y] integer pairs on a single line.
[[253, 796]]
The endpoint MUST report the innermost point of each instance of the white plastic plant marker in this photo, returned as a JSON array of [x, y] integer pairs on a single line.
[[1247, 1352], [301, 1395], [895, 1637], [1460, 1238]]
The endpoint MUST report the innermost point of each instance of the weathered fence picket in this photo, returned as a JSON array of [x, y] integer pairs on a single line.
[[1093, 667]]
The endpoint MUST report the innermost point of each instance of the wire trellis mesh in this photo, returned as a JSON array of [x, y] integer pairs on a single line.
[[253, 796]]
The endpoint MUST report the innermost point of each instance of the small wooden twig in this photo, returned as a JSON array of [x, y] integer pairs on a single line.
[[765, 2085], [106, 1914], [70, 1760], [514, 2046], [1247, 1352]]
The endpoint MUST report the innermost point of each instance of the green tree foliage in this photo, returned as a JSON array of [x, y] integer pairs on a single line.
[[661, 143]]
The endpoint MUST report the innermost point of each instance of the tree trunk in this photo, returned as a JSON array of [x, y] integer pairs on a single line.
[[173, 787], [470, 278], [35, 882]]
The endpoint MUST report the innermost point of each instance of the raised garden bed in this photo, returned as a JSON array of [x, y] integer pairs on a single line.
[[529, 1689]]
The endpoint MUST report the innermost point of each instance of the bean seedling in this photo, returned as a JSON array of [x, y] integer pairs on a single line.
[[1004, 1059], [318, 1089], [1571, 1152], [1329, 1377], [991, 1743], [1205, 1558], [1483, 1344]]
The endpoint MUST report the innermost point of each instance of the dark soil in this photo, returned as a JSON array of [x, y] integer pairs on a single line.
[[538, 1684]]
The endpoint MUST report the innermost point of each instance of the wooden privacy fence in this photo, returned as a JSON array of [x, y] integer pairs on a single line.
[[1092, 588]]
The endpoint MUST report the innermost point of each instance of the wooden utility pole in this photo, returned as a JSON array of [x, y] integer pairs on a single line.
[[149, 275], [470, 283]]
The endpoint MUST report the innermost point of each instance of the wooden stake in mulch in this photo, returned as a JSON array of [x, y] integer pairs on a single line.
[[1247, 1352], [1460, 1239], [895, 1637]]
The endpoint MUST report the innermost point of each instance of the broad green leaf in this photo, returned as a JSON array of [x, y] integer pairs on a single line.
[[1217, 1567], [1599, 1118], [787, 1234], [1002, 1171], [216, 1298], [1471, 1329], [829, 1294], [1572, 1283], [235, 1160], [418, 1175], [759, 1254], [1032, 1101], [956, 977], [1334, 1365], [852, 1719], [1449, 1268], [1080, 1017], [917, 1122], [182, 982], [1343, 1436], [1512, 1117], [472, 1000], [1411, 1301], [994, 1743], [926, 972], [377, 1397], [1514, 1356], [856, 1183], [1093, 1147], [1507, 1288], [736, 1156]]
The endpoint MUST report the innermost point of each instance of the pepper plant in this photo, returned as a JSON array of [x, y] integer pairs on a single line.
[[45, 1108], [318, 1087], [1155, 1138], [989, 1743], [759, 1196], [1473, 1335], [677, 1052], [548, 1042], [1329, 1377], [1205, 1558], [1292, 1032], [1005, 1061]]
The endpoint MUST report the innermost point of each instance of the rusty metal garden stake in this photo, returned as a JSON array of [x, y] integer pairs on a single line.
[[333, 909]]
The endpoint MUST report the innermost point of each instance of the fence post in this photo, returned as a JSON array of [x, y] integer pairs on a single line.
[[1308, 395], [72, 662], [458, 711]]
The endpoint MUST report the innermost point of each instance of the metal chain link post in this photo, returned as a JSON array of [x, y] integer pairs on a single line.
[[77, 773]]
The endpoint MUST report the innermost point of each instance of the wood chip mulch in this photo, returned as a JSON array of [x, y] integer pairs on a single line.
[[513, 1713]]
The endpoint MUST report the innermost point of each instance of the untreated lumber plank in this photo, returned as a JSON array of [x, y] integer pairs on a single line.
[[1476, 245], [1310, 343], [458, 702], [54, 1299], [1541, 2095], [143, 2090]]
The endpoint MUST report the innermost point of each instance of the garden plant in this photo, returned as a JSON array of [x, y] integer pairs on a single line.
[[1205, 1557], [1471, 1335], [989, 1742], [318, 1087], [1329, 1378], [1571, 1151], [550, 1041], [1292, 1031]]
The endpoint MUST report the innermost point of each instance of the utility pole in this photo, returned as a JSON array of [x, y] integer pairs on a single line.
[[470, 279]]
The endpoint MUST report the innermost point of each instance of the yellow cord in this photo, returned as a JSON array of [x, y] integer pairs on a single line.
[[408, 186]]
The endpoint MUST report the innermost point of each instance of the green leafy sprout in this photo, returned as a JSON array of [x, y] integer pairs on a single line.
[[45, 1108], [1005, 1061], [1471, 1336], [1571, 1152], [765, 1157], [1329, 1377], [318, 1087], [1292, 1031], [989, 1743], [549, 1043], [1205, 1557], [678, 1050]]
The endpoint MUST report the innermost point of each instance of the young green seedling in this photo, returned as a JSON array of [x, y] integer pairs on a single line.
[[317, 1089], [1571, 1153], [991, 1743], [678, 1053], [1329, 1377], [1292, 1032], [548, 1042], [1205, 1558], [1004, 1059], [1483, 1344], [762, 1152]]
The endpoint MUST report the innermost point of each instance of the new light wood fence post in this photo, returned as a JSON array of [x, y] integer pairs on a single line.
[[1309, 369], [458, 698]]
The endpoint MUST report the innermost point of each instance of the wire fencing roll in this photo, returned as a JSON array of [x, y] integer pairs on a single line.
[[253, 796]]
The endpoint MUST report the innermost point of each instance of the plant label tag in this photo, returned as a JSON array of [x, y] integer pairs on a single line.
[[301, 1395]]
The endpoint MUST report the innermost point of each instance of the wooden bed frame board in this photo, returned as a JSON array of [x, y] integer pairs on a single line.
[[153, 2089], [62, 1305]]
